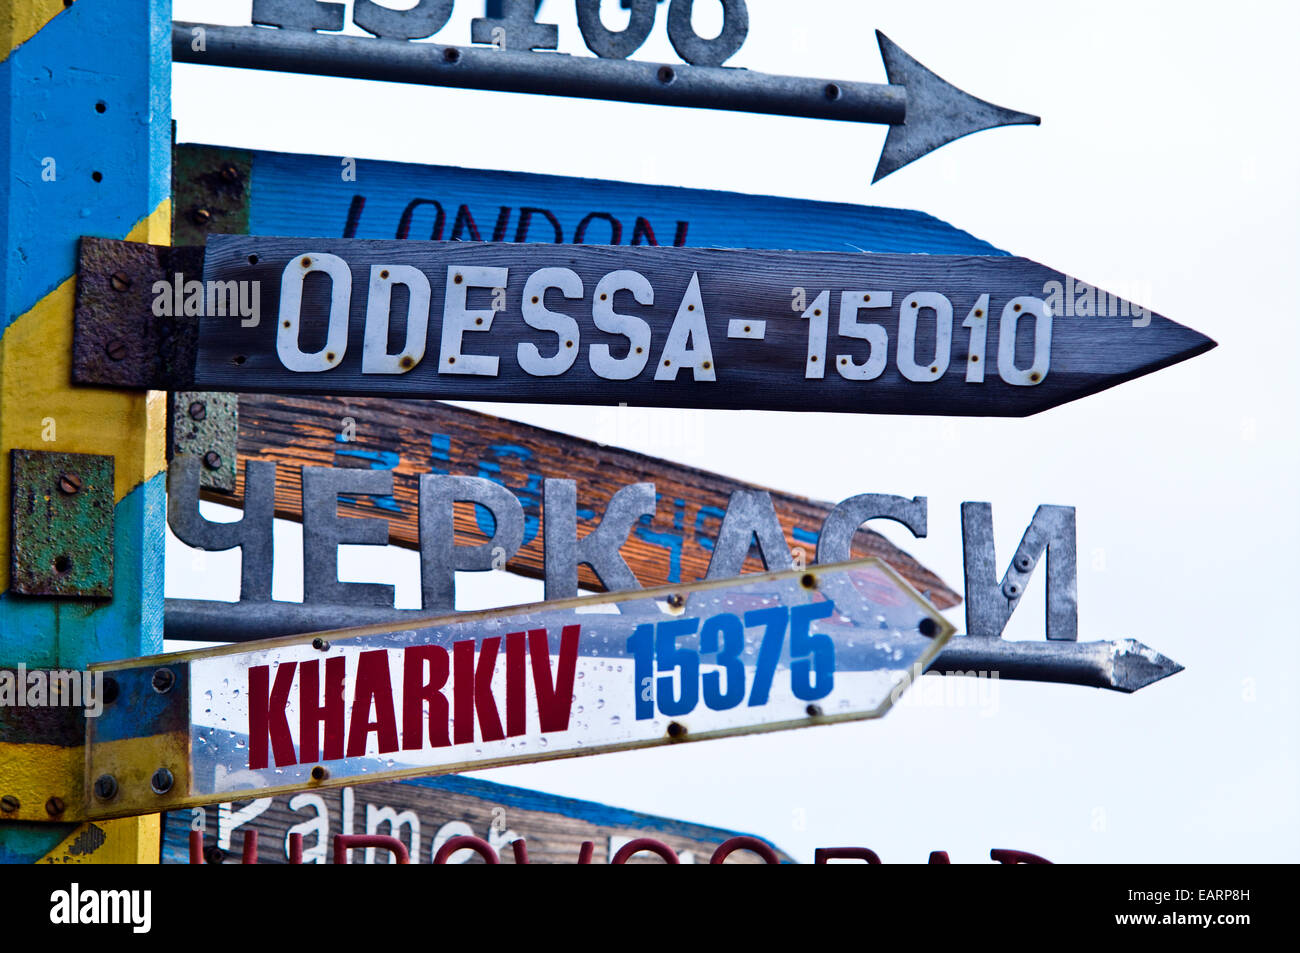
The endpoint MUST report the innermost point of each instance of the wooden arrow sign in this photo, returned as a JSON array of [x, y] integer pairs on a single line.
[[661, 327], [473, 690]]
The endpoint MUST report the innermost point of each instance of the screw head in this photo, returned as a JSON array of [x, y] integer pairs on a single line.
[[9, 804], [676, 729], [116, 350], [162, 781], [198, 410], [229, 172], [55, 806], [1011, 589], [106, 787], [1023, 563], [213, 854], [814, 711], [212, 460], [201, 216], [120, 280], [163, 680], [69, 483], [320, 773], [676, 600], [928, 627], [319, 644]]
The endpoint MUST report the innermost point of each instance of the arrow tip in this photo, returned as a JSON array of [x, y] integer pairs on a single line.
[[1134, 665], [937, 111]]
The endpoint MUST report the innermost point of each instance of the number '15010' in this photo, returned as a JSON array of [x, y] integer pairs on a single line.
[[721, 640]]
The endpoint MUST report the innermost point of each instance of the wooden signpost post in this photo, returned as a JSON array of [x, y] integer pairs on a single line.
[[660, 327]]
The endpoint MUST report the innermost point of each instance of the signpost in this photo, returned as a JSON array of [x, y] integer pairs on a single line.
[[606, 673], [424, 814], [666, 327], [923, 111]]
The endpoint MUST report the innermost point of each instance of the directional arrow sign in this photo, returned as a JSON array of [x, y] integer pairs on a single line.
[[922, 110], [668, 327], [606, 673]]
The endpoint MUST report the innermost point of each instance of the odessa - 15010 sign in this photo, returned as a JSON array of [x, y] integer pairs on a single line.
[[627, 670], [659, 326]]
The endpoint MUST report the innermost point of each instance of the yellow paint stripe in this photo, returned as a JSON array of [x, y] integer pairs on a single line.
[[41, 410], [33, 773], [129, 840], [20, 20]]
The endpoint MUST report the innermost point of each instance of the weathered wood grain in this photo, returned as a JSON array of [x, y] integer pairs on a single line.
[[416, 437], [1072, 356]]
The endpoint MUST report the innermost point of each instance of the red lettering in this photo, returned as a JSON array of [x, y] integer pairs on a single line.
[[266, 715], [741, 842], [638, 844], [516, 690], [311, 713], [374, 690], [476, 844], [1016, 857], [824, 854], [473, 685], [417, 691], [554, 696]]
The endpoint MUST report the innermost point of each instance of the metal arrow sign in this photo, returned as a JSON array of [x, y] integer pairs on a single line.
[[922, 110], [560, 679], [583, 324]]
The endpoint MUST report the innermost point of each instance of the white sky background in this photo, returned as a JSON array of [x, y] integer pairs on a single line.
[[1166, 170]]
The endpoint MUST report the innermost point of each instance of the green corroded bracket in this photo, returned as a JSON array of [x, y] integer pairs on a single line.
[[62, 529]]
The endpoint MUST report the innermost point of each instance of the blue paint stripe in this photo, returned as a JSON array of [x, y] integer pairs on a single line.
[[67, 633], [306, 195], [95, 51]]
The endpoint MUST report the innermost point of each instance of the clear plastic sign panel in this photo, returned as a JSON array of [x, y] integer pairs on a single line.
[[610, 672]]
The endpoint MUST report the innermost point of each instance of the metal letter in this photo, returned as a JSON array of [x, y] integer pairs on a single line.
[[988, 605], [615, 45], [440, 557], [599, 549], [253, 533], [750, 514], [298, 14], [835, 542], [424, 19], [518, 26], [323, 530], [698, 51]]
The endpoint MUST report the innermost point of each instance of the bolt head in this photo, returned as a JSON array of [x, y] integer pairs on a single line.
[[162, 781], [105, 787], [163, 680]]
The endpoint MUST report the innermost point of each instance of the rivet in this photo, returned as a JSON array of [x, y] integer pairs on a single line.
[[928, 627], [814, 711], [161, 782], [666, 74], [306, 261], [163, 680], [120, 280], [106, 787], [451, 54], [198, 410], [116, 350], [320, 773], [676, 729], [1023, 563], [212, 460], [69, 483], [832, 91], [1011, 590], [808, 581]]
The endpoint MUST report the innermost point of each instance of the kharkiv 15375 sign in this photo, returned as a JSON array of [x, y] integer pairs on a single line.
[[928, 334]]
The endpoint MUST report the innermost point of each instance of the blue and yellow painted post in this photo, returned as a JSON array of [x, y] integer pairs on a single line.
[[85, 138]]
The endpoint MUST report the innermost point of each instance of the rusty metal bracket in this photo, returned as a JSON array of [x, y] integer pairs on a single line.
[[118, 338], [62, 524], [206, 425], [209, 193]]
